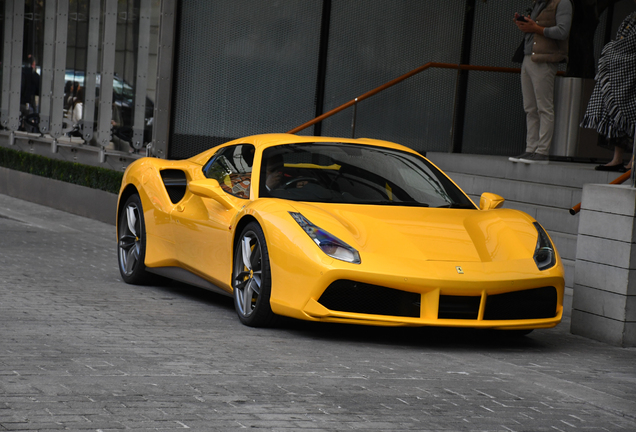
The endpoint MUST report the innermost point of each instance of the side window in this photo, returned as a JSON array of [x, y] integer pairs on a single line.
[[232, 168]]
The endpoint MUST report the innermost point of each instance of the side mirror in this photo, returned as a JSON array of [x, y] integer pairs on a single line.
[[490, 201], [209, 188]]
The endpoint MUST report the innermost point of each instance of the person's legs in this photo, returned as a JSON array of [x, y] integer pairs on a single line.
[[543, 80], [618, 156], [620, 144], [616, 164], [530, 104]]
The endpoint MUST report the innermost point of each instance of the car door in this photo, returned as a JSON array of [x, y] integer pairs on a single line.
[[202, 226]]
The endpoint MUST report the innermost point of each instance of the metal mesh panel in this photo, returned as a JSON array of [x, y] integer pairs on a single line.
[[495, 120], [373, 42], [243, 67], [248, 66]]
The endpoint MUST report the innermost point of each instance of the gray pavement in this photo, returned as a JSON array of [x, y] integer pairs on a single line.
[[80, 350]]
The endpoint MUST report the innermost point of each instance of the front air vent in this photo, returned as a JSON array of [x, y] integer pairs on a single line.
[[175, 183], [534, 303], [458, 307], [356, 297]]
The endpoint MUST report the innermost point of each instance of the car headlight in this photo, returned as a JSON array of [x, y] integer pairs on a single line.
[[329, 244], [544, 254]]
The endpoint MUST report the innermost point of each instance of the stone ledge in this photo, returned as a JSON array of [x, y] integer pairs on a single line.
[[603, 329], [80, 200], [607, 225], [606, 198], [605, 251], [607, 304], [606, 277]]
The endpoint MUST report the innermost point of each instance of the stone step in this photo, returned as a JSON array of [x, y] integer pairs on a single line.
[[566, 174], [568, 269], [517, 190], [553, 219], [565, 244]]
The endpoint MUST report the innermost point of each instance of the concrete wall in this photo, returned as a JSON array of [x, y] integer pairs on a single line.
[[604, 301], [79, 200]]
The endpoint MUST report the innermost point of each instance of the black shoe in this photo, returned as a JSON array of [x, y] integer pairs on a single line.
[[536, 158], [615, 168]]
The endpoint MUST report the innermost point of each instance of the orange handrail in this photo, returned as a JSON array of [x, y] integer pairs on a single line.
[[400, 79], [619, 180]]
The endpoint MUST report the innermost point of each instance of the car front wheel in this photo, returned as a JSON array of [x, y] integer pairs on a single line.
[[131, 244], [251, 278]]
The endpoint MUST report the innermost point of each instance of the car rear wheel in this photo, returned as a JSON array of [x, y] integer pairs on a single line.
[[131, 244], [251, 278]]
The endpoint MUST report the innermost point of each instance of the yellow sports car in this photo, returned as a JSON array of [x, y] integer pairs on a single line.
[[337, 230]]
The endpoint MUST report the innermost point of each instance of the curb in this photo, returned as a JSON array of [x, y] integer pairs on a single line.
[[80, 200]]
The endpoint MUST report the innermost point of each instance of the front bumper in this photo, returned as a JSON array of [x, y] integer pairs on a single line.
[[344, 301], [512, 295]]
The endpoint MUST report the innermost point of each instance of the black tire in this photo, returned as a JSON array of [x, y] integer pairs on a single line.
[[251, 278], [131, 242]]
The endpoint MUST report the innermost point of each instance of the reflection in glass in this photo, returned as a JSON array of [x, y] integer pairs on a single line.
[[75, 75], [127, 62], [134, 35], [356, 174], [32, 49], [3, 12]]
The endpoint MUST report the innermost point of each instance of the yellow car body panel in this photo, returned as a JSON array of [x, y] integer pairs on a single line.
[[404, 259], [431, 252]]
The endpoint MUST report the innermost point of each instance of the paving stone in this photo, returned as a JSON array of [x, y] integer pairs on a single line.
[[80, 350]]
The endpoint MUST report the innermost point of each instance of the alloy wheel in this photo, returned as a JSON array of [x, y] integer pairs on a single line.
[[248, 279]]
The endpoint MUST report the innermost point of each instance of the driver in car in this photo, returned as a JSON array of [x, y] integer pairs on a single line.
[[274, 172]]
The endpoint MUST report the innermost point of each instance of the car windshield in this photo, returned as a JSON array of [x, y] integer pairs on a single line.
[[355, 174]]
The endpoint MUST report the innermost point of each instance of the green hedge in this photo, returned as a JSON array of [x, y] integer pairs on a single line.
[[70, 172]]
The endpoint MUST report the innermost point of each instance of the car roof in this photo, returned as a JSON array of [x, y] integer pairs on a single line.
[[263, 141]]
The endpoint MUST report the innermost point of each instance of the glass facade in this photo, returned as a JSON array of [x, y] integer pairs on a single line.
[[250, 66], [87, 70], [242, 67], [172, 78], [372, 44]]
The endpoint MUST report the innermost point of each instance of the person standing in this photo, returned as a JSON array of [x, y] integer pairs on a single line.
[[546, 30], [76, 113], [612, 107], [29, 93]]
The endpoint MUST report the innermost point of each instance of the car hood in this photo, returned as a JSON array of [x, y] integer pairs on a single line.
[[435, 234]]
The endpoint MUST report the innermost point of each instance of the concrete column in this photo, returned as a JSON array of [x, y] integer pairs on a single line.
[[604, 299]]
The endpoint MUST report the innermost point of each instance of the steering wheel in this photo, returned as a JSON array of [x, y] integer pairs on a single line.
[[292, 182]]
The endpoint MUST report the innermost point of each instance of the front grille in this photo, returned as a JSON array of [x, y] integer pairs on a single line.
[[528, 304], [458, 307], [356, 297]]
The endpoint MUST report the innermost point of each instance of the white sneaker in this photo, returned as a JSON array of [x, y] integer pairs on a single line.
[[516, 158]]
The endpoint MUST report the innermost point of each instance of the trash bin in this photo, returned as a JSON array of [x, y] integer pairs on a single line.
[[571, 96]]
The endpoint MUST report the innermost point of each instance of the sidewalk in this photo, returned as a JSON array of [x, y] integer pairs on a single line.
[[80, 350]]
